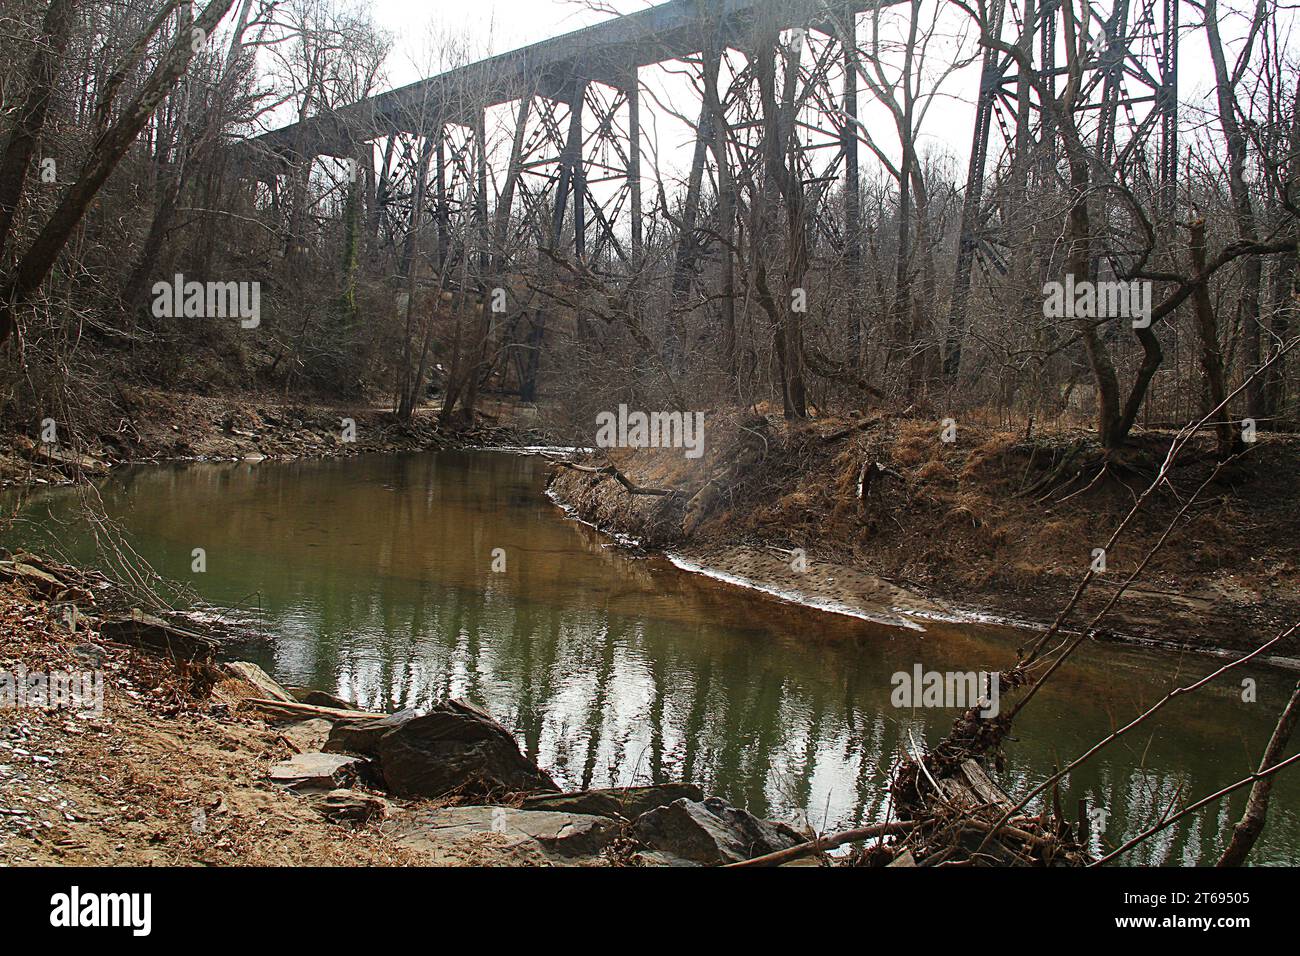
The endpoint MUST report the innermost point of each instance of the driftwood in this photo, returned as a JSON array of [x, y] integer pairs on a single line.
[[978, 780], [293, 710], [822, 844], [610, 471]]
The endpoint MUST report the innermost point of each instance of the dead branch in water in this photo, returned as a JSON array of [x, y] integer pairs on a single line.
[[974, 736], [1256, 777], [1145, 715], [609, 471], [821, 844], [1248, 829]]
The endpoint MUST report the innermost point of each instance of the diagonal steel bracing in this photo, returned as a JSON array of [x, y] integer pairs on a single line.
[[570, 114]]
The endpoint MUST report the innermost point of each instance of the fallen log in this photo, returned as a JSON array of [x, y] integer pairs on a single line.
[[827, 843], [610, 471], [293, 710], [319, 698], [978, 780]]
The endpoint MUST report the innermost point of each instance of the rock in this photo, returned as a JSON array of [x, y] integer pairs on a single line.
[[659, 858], [308, 735], [456, 748], [316, 770], [266, 685], [92, 654], [564, 836], [452, 748], [40, 581], [351, 806], [69, 461], [627, 803], [362, 736], [712, 832], [319, 698], [157, 636]]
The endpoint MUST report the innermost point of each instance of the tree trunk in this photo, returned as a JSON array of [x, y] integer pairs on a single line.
[[39, 80], [1207, 329], [39, 259]]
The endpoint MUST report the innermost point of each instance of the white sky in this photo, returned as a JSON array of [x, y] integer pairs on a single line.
[[494, 26]]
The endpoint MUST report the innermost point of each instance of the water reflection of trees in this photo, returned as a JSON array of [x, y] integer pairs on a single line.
[[612, 671], [604, 700]]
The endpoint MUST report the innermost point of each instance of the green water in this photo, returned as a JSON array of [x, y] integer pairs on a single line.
[[376, 577]]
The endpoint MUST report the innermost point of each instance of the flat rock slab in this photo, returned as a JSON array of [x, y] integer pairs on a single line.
[[362, 736], [625, 802], [307, 736], [317, 770], [35, 578], [263, 683], [565, 837], [711, 832]]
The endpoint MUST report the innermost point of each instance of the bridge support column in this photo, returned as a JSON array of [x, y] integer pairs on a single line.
[[417, 208], [440, 195], [569, 184], [633, 92]]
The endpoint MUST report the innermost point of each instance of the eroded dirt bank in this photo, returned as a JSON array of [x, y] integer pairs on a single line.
[[881, 516], [168, 426]]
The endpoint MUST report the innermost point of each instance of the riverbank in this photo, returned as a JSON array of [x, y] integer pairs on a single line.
[[874, 516], [184, 758], [883, 518], [151, 425], [167, 773]]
